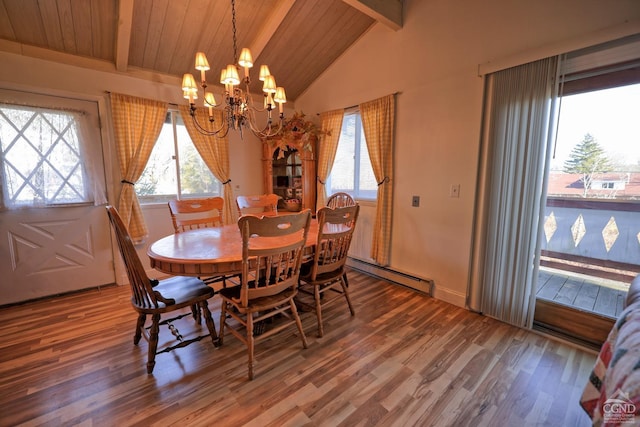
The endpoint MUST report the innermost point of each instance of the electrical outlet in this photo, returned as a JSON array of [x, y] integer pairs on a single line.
[[454, 191], [415, 201]]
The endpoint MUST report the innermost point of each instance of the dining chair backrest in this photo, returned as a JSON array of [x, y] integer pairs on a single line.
[[335, 232], [189, 214], [340, 200], [272, 248], [142, 293], [265, 203]]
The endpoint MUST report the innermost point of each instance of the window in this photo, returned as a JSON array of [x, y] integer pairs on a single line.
[[595, 157], [352, 172], [42, 157], [175, 169]]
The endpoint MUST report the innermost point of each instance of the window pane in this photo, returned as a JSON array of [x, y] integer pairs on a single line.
[[342, 172], [195, 177], [595, 156], [352, 171], [41, 157], [159, 176], [159, 181]]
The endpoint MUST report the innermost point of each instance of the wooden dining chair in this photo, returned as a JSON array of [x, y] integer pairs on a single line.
[[265, 203], [326, 273], [340, 200], [189, 214], [272, 249], [156, 298]]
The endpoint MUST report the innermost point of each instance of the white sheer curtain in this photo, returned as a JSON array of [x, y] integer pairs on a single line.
[[519, 119]]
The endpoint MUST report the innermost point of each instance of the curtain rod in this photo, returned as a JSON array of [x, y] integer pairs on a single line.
[[357, 105]]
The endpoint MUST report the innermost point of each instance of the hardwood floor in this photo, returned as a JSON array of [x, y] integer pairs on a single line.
[[404, 359]]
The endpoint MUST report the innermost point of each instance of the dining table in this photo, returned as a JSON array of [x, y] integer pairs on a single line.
[[211, 251]]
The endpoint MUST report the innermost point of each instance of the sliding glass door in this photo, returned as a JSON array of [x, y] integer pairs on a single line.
[[590, 241]]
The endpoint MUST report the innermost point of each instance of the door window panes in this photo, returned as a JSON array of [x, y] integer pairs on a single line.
[[42, 157]]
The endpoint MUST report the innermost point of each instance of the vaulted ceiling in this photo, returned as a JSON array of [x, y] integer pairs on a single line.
[[158, 39]]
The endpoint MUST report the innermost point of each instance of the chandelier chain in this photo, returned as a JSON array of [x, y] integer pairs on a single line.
[[233, 24]]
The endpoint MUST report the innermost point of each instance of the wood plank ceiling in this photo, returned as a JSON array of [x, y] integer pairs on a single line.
[[157, 39]]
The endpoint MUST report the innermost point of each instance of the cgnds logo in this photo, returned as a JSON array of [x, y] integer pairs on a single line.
[[619, 409]]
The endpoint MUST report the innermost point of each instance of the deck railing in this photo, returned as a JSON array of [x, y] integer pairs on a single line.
[[586, 235]]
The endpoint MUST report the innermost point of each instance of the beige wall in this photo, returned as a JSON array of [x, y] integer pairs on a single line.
[[433, 62]]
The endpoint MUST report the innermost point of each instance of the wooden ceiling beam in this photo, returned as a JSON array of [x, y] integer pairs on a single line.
[[387, 12], [123, 38], [271, 24]]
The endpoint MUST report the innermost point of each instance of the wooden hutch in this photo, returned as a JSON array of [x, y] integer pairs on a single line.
[[290, 167]]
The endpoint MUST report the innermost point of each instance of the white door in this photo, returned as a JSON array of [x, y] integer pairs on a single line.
[[53, 237]]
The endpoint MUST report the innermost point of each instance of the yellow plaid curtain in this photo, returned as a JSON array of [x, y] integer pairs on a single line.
[[378, 117], [215, 154], [331, 125], [137, 123]]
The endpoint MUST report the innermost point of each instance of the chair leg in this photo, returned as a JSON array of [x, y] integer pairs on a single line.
[[139, 325], [153, 342], [209, 321], [250, 344], [223, 317], [317, 296], [345, 291], [294, 313], [195, 311]]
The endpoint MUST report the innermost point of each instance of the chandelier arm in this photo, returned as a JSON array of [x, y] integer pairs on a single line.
[[205, 131], [262, 133]]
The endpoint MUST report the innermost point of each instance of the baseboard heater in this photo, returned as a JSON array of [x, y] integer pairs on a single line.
[[414, 282]]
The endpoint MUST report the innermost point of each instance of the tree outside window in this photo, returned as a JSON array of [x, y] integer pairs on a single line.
[[588, 158]]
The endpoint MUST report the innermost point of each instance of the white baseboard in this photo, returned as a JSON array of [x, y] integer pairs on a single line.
[[451, 297], [418, 283]]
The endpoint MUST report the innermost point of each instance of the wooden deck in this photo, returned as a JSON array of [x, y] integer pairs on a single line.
[[603, 297]]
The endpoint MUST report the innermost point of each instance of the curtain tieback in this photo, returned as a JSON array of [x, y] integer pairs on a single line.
[[319, 180], [226, 182], [124, 181], [384, 181]]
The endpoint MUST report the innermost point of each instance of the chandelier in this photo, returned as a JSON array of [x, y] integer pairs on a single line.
[[239, 109]]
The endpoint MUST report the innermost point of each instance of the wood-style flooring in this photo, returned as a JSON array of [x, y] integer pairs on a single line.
[[404, 359]]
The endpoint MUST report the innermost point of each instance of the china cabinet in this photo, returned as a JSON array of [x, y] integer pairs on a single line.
[[290, 172]]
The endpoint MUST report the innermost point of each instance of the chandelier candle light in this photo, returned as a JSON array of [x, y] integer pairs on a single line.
[[239, 109]]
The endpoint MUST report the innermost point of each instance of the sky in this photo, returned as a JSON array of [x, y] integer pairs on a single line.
[[611, 116]]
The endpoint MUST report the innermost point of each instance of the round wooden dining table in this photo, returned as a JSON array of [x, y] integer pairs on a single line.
[[214, 251]]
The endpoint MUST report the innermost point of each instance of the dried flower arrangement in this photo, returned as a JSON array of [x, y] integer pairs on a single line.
[[297, 132]]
